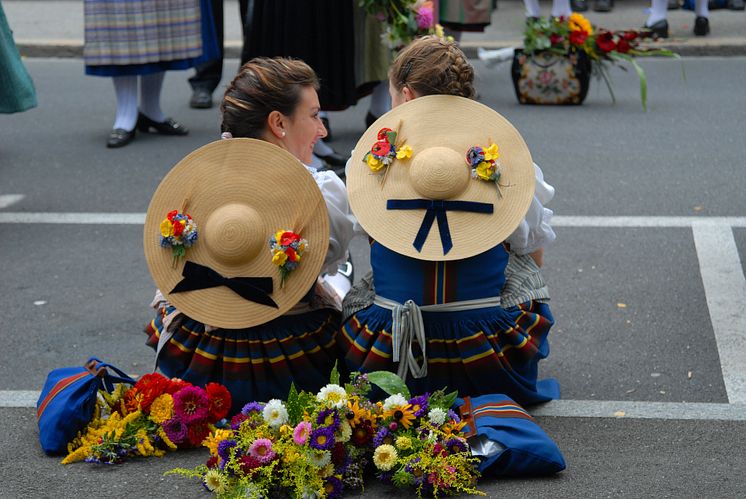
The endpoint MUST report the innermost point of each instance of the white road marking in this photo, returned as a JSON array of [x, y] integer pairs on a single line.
[[725, 290], [72, 218], [556, 408], [9, 199]]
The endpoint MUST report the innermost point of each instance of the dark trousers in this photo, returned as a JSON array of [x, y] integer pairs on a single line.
[[208, 74]]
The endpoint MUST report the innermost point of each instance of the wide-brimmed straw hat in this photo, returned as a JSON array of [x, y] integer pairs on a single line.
[[432, 188], [239, 195]]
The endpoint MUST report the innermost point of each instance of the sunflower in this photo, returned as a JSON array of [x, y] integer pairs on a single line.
[[356, 414], [402, 414]]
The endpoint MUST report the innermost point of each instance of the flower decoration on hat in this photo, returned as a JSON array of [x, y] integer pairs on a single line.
[[484, 163], [385, 151], [179, 232], [287, 248]]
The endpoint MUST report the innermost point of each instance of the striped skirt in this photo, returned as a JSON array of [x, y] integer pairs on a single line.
[[477, 352], [255, 364]]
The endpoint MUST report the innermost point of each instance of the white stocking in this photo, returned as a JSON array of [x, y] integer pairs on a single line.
[[658, 11], [150, 96], [125, 88]]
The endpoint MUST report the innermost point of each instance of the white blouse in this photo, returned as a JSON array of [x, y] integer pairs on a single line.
[[341, 221]]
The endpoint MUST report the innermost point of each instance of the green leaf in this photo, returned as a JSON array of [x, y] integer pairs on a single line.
[[389, 383], [295, 411], [334, 376], [391, 137], [450, 399]]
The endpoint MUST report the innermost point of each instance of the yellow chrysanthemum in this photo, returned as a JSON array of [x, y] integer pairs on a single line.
[[373, 163], [279, 258], [404, 152], [213, 440], [385, 457], [403, 443], [167, 228], [485, 170], [579, 22], [491, 154], [215, 481], [162, 408]]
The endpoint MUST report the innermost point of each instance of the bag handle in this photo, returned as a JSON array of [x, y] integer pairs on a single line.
[[99, 370]]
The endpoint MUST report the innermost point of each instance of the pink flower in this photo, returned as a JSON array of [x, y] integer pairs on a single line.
[[191, 405], [301, 432], [261, 450], [424, 17]]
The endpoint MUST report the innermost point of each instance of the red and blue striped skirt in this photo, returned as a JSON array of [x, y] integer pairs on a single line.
[[257, 363], [477, 352]]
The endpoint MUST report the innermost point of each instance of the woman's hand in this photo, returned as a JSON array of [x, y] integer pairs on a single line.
[[538, 256]]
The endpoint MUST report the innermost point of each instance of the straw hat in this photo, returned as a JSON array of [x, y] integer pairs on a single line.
[[440, 130], [240, 193]]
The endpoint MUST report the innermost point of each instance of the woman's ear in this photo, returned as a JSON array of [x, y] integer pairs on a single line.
[[407, 93], [276, 124]]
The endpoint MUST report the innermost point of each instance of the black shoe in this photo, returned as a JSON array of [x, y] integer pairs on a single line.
[[579, 5], [119, 137], [370, 119], [334, 159], [701, 26], [673, 5], [659, 29], [168, 127], [735, 4], [328, 137], [201, 99], [603, 5], [531, 20]]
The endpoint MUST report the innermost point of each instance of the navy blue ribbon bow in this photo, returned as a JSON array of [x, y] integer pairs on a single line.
[[196, 276], [437, 208]]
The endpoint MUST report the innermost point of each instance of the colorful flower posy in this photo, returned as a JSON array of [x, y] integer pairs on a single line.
[[287, 248], [484, 163], [404, 20], [384, 151], [178, 231]]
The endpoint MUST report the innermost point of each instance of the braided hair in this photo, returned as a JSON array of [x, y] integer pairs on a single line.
[[433, 66], [261, 86]]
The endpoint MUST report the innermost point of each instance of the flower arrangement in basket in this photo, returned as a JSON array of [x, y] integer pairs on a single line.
[[154, 416], [319, 445], [588, 48], [405, 20]]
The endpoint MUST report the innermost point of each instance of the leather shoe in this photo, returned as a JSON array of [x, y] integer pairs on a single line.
[[168, 127], [603, 5], [673, 5], [701, 26], [659, 29], [201, 99], [334, 159], [119, 137], [579, 5]]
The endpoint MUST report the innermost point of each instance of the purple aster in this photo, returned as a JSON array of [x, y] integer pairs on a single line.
[[475, 155], [322, 438], [175, 429], [421, 402], [452, 415], [321, 419], [381, 437], [455, 446], [416, 473], [252, 407], [224, 449], [333, 487]]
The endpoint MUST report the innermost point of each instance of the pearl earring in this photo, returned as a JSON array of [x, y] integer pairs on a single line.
[[283, 133]]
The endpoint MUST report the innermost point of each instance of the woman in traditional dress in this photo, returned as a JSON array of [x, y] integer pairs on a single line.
[[273, 100]]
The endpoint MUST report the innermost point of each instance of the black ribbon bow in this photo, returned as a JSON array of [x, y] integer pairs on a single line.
[[437, 208], [196, 276]]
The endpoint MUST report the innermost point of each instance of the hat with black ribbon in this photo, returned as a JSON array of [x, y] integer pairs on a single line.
[[236, 233], [442, 161]]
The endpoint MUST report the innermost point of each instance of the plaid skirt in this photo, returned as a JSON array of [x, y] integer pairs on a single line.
[[255, 364], [477, 352]]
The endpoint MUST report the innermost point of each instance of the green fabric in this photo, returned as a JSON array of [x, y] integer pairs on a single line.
[[16, 88]]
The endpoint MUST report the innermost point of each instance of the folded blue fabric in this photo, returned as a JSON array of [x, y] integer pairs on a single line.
[[507, 439]]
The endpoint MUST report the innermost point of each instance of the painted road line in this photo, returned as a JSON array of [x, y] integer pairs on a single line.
[[557, 221], [9, 199], [555, 408], [725, 291]]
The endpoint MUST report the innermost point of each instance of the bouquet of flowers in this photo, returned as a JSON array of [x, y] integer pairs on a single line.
[[405, 20], [565, 36], [287, 248], [178, 232], [155, 415], [319, 445]]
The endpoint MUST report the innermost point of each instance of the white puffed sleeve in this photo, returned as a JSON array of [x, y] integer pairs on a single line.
[[341, 221], [534, 231]]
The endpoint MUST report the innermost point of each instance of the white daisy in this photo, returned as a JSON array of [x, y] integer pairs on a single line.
[[437, 416], [275, 413], [333, 395], [344, 433], [397, 400], [215, 481], [320, 458]]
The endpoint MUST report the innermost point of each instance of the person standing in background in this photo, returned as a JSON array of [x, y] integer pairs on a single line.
[[16, 87]]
